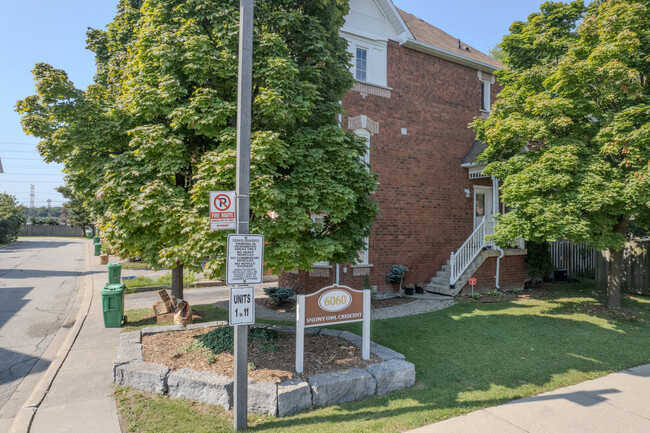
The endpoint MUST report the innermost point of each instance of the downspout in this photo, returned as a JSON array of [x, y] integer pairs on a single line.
[[495, 206]]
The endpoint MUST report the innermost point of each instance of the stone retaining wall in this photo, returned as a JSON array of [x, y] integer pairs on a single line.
[[266, 398]]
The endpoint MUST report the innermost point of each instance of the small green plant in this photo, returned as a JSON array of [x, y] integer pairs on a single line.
[[211, 358], [493, 292], [268, 347], [476, 295], [397, 274], [279, 294], [265, 334], [222, 339], [252, 366]]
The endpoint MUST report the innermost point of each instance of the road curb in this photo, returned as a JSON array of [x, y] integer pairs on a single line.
[[25, 416]]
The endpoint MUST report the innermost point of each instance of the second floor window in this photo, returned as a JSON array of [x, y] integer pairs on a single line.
[[361, 73]]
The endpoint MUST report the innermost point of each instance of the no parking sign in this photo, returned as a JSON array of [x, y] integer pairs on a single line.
[[222, 210]]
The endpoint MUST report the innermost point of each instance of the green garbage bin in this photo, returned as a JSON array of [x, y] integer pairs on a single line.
[[114, 273], [98, 249], [96, 240], [113, 305], [89, 234]]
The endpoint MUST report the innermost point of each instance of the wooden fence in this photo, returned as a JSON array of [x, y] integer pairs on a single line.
[[576, 258], [51, 230], [635, 276]]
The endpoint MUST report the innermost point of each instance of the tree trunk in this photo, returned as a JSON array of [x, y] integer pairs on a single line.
[[177, 282], [615, 259]]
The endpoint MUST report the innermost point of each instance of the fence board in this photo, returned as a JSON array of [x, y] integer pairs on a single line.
[[635, 276], [51, 230], [576, 258]]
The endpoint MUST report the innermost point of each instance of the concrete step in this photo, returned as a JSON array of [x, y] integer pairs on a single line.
[[440, 281], [443, 274], [436, 289], [446, 268]]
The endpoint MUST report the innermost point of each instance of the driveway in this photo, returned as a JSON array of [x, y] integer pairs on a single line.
[[39, 280]]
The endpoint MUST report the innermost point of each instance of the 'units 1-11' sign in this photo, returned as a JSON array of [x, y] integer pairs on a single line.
[[331, 305]]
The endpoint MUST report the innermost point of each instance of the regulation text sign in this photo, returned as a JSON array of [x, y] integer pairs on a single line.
[[245, 260]]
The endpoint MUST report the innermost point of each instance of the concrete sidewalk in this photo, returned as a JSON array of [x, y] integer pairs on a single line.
[[617, 403]]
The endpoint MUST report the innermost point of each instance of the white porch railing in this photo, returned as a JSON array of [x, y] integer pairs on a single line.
[[461, 259]]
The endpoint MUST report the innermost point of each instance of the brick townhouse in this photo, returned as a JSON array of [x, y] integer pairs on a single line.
[[416, 90]]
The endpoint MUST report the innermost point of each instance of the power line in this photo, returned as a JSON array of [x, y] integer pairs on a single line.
[[17, 151], [29, 181], [16, 142], [24, 159]]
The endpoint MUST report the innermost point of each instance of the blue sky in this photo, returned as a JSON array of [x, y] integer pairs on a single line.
[[53, 32]]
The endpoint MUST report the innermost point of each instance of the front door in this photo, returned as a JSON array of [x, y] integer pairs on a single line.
[[482, 204]]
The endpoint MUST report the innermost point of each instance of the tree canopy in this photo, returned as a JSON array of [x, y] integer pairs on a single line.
[[156, 132], [12, 218], [570, 133]]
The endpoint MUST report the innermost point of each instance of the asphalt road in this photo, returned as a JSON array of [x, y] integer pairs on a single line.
[[39, 279]]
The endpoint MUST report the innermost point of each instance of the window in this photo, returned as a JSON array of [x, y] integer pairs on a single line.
[[365, 134], [361, 71], [363, 255], [485, 96]]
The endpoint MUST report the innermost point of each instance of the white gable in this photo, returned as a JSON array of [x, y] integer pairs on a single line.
[[367, 19]]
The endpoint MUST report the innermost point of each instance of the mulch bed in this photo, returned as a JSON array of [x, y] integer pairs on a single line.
[[323, 354]]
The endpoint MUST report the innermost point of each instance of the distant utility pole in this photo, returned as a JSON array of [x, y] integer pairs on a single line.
[[31, 201]]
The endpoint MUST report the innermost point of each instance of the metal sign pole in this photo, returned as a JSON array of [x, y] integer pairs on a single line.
[[244, 94]]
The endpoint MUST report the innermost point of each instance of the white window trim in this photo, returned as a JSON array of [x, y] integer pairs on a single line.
[[487, 80], [366, 256]]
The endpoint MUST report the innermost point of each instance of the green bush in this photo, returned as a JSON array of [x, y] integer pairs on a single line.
[[538, 261], [12, 218], [223, 339], [396, 273], [279, 294]]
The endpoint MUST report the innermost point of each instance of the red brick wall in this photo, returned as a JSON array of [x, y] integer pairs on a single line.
[[424, 211], [512, 274]]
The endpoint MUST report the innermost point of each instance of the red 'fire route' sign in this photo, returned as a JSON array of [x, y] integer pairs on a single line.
[[222, 210]]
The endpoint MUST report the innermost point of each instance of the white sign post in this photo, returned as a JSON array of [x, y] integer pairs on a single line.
[[222, 210], [245, 260], [242, 306]]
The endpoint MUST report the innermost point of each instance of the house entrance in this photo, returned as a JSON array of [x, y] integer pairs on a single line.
[[482, 203]]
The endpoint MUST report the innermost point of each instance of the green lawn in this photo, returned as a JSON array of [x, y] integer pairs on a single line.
[[165, 280], [467, 357]]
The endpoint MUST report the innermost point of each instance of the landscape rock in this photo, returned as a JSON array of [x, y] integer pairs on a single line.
[[262, 398], [341, 386], [352, 338], [385, 353], [392, 375], [127, 352], [159, 329], [204, 386], [132, 337], [293, 396], [330, 332], [143, 375], [206, 325]]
